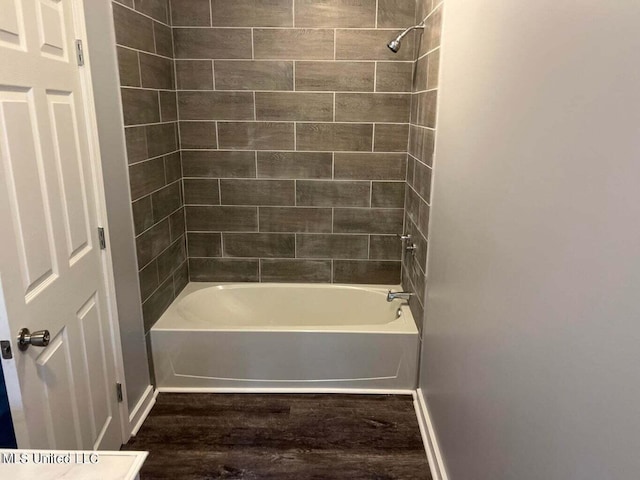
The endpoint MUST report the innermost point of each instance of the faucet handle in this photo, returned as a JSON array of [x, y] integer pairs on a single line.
[[403, 236]]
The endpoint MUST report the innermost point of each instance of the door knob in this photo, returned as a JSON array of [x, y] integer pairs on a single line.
[[37, 339]]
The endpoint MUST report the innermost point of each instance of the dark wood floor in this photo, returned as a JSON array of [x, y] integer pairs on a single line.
[[246, 436]]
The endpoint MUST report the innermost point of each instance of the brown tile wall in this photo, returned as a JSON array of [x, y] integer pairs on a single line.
[[421, 150], [294, 123], [145, 57]]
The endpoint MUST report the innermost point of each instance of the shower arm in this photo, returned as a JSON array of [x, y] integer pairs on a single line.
[[419, 26]]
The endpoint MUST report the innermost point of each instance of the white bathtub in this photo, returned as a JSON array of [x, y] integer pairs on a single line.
[[251, 336]]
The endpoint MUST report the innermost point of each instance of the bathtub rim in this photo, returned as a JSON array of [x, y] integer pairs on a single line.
[[403, 325]]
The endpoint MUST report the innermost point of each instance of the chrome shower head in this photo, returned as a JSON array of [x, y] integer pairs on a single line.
[[395, 44]]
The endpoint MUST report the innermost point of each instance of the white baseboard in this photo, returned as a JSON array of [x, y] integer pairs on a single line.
[[436, 463], [358, 391], [142, 409]]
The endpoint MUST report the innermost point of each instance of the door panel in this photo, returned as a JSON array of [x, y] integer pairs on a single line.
[[24, 170], [49, 261], [70, 171], [11, 29]]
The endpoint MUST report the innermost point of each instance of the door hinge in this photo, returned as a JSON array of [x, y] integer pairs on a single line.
[[101, 238], [119, 392], [5, 347], [79, 53]]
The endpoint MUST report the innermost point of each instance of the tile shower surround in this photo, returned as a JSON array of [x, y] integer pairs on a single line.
[[292, 121], [421, 150], [145, 60]]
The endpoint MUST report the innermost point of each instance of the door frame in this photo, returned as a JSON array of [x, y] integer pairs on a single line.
[[108, 277]]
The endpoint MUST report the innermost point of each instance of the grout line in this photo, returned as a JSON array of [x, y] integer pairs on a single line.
[[253, 55], [247, 90], [213, 74], [210, 14], [294, 75], [376, 23], [373, 137], [334, 107], [255, 115], [335, 43]]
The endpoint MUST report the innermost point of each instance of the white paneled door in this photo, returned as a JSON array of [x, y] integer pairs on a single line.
[[51, 271]]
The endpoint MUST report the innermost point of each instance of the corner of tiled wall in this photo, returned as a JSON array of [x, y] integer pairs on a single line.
[[421, 150], [146, 66]]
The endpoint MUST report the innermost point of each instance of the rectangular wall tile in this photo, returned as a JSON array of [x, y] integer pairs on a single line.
[[215, 105], [157, 303], [212, 43], [334, 136], [215, 164], [172, 167], [145, 177], [156, 72], [335, 76], [293, 219], [166, 201], [194, 74], [176, 224], [293, 44], [329, 193], [156, 9], [371, 45], [128, 67], [201, 191], [387, 194], [362, 220], [204, 244], [331, 246], [136, 139], [256, 135], [252, 13], [372, 107], [257, 192], [198, 135], [161, 139], [396, 13], [318, 271], [391, 137], [170, 259], [370, 166], [132, 29], [190, 13], [148, 278], [263, 245], [394, 77], [223, 270], [163, 39], [140, 106], [335, 13], [152, 242], [294, 106], [221, 219], [168, 106], [142, 214], [385, 247], [253, 75], [294, 165], [376, 272]]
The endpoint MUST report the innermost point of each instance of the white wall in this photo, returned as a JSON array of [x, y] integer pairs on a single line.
[[106, 90], [531, 358]]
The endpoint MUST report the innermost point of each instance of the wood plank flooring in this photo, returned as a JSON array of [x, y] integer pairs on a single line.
[[283, 437]]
